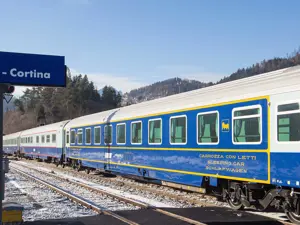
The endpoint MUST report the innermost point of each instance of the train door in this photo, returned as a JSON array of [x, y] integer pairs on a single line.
[[65, 143]]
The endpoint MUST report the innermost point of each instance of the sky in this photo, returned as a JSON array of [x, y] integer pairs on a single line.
[[132, 43]]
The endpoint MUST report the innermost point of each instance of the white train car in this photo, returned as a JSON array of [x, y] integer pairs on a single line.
[[44, 142], [11, 143]]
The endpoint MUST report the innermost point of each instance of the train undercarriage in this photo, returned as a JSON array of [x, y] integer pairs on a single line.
[[261, 197]]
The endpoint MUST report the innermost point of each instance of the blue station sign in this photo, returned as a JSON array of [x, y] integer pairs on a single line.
[[32, 70]]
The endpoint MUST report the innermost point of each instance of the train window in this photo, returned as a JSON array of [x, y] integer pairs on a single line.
[[53, 138], [88, 135], [155, 131], [48, 138], [121, 133], [247, 125], [97, 135], [31, 139], [178, 130], [79, 134], [43, 138], [136, 132], [208, 128], [68, 137], [37, 139], [72, 136], [288, 121], [108, 134]]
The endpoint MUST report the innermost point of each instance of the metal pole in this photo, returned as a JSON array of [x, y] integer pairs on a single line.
[[1, 152]]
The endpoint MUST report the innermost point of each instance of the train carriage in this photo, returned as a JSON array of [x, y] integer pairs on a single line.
[[44, 142], [241, 137], [11, 143]]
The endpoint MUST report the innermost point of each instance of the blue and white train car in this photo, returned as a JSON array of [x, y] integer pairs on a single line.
[[44, 142], [241, 137], [11, 143]]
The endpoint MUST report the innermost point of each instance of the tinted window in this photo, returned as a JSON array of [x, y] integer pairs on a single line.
[[247, 126], [88, 135], [178, 130], [136, 132], [121, 133], [97, 135], [155, 131], [208, 128], [288, 122]]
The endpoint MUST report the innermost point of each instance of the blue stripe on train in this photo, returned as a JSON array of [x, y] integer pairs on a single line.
[[10, 149], [42, 152]]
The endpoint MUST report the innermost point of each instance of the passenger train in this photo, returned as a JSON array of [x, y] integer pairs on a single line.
[[240, 140]]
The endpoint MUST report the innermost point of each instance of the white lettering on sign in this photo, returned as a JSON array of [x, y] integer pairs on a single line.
[[32, 74]]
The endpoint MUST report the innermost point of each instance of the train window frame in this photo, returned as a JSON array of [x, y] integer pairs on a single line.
[[73, 130], [119, 143], [43, 139], [53, 135], [97, 143], [37, 139], [134, 122], [161, 131], [111, 135], [197, 127], [85, 132], [79, 131], [285, 113], [186, 129], [251, 116], [48, 136]]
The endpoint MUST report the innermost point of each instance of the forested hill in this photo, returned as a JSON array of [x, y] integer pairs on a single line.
[[177, 85], [161, 89], [40, 106]]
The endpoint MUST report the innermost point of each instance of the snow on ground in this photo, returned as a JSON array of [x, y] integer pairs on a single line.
[[138, 198], [39, 202]]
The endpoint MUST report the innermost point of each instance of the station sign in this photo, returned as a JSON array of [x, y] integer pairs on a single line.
[[32, 69]]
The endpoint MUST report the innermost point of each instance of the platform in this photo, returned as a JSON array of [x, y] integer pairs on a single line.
[[206, 215]]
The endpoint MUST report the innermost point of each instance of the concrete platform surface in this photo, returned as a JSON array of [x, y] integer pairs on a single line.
[[206, 215]]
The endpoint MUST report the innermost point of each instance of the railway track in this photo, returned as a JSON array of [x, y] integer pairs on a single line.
[[94, 206], [275, 216], [39, 202], [190, 199]]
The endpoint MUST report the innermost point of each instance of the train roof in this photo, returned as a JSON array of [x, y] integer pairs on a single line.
[[13, 135], [278, 81], [45, 128]]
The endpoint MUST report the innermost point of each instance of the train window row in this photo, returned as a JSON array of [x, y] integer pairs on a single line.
[[10, 141], [247, 128], [40, 139]]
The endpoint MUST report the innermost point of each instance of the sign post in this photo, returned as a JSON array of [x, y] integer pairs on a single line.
[[26, 70]]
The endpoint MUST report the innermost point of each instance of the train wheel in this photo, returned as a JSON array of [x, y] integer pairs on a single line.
[[293, 217], [294, 214], [235, 204], [234, 199]]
